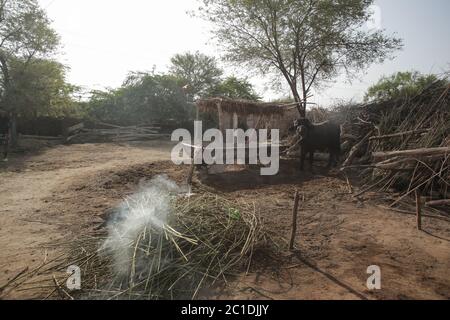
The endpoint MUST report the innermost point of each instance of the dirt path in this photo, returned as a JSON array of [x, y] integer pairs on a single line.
[[61, 192], [33, 191]]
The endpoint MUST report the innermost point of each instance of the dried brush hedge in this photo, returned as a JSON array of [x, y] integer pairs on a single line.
[[407, 146]]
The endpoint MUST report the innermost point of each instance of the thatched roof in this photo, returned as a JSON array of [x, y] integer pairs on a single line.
[[241, 107]]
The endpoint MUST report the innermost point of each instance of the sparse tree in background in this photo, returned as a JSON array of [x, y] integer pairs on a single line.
[[25, 34], [308, 42], [401, 85], [235, 88], [197, 72]]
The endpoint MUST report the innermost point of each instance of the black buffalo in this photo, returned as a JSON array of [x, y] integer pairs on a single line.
[[324, 136]]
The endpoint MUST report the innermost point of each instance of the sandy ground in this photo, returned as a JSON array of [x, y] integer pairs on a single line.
[[61, 192]]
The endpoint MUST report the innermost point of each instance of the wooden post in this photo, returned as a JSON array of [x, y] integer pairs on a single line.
[[192, 167], [418, 210], [294, 220], [235, 121], [219, 113]]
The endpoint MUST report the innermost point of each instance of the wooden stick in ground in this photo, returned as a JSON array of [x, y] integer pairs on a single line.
[[294, 220], [196, 152], [349, 185], [418, 210]]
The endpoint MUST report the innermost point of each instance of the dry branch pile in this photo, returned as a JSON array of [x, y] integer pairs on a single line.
[[113, 133], [402, 144]]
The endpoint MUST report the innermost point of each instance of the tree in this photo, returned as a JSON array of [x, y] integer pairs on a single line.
[[40, 88], [197, 72], [400, 85], [308, 42], [25, 34], [143, 98], [235, 88]]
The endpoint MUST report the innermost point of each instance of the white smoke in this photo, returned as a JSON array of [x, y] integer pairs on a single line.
[[148, 209]]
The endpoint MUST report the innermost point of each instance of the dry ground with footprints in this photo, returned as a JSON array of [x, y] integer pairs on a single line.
[[60, 192]]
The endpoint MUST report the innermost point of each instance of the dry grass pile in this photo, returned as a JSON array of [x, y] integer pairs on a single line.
[[166, 250]]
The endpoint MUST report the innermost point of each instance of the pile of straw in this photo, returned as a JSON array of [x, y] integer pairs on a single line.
[[206, 239], [170, 250]]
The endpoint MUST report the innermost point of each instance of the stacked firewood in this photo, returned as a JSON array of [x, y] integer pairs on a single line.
[[402, 145], [112, 133]]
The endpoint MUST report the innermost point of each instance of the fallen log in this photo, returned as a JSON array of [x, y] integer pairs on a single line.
[[75, 128], [395, 163], [399, 134], [438, 203], [355, 150], [129, 127], [27, 136], [413, 152]]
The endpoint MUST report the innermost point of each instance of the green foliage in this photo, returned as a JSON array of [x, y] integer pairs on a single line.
[[235, 88], [150, 97], [25, 35], [307, 42], [197, 72], [143, 98], [39, 88], [25, 30], [400, 85]]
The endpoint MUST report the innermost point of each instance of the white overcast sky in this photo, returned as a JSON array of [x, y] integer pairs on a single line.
[[105, 39]]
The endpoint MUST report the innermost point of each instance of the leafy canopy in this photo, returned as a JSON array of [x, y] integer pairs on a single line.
[[40, 88], [197, 72], [307, 42], [400, 85], [25, 34], [143, 98], [235, 88]]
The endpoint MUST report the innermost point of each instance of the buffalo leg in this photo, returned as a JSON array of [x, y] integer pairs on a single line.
[[302, 160], [311, 159], [330, 161], [336, 159]]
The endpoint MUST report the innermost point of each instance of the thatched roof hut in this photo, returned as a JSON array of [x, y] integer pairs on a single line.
[[240, 107], [233, 114]]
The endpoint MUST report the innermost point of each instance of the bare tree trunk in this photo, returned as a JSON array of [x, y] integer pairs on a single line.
[[305, 93], [7, 84], [13, 130], [298, 100]]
